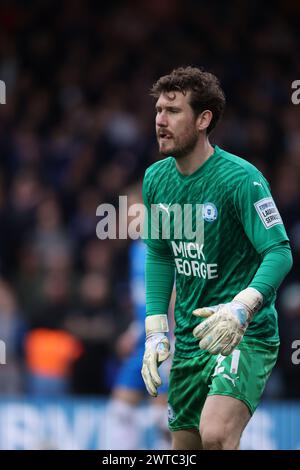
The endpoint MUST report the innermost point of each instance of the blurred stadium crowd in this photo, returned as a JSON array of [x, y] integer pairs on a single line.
[[77, 130]]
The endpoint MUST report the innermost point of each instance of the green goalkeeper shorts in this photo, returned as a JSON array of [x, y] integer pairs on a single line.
[[242, 375]]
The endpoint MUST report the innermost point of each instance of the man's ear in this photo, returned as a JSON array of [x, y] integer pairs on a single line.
[[204, 120]]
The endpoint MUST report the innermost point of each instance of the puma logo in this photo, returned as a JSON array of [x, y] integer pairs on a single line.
[[230, 378], [164, 207]]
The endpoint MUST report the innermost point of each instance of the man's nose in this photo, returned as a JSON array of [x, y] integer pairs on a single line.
[[161, 120]]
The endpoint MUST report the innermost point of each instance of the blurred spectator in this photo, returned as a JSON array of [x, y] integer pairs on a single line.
[[96, 323], [50, 351], [18, 217], [28, 279], [55, 301], [84, 222], [50, 354], [50, 234], [98, 256]]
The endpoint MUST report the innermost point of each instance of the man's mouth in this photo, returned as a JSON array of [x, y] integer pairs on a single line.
[[164, 136]]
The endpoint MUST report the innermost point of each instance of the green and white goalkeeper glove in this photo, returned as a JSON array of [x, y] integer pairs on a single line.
[[157, 350], [225, 324]]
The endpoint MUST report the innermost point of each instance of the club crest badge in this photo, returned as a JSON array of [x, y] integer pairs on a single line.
[[210, 212]]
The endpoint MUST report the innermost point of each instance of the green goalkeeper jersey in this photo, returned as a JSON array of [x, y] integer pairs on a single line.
[[239, 224]]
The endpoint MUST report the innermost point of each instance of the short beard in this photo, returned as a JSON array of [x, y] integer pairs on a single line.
[[184, 149]]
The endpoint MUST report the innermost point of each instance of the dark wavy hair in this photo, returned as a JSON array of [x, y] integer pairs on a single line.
[[205, 88]]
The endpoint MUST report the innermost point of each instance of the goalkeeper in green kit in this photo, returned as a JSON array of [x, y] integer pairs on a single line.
[[225, 320]]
